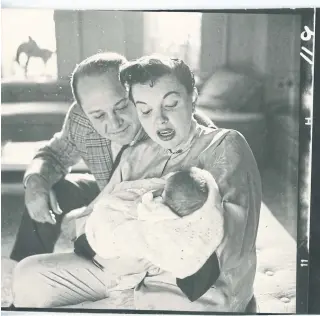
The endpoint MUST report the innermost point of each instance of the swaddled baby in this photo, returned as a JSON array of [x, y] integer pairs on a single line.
[[184, 193]]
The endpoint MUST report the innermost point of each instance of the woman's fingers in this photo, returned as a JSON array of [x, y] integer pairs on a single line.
[[147, 198], [146, 184], [76, 213], [166, 177], [152, 210]]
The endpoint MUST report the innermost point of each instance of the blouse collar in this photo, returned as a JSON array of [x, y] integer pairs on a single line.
[[194, 131]]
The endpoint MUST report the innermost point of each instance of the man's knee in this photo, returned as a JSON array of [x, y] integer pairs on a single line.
[[30, 285]]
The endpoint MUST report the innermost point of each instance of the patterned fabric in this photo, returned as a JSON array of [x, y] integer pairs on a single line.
[[79, 140]]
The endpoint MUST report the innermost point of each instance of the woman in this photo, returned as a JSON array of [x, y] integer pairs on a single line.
[[164, 94], [163, 91]]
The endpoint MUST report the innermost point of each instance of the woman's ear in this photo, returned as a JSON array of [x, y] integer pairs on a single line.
[[194, 98]]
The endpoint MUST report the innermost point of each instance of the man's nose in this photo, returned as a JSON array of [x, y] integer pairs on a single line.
[[113, 122]]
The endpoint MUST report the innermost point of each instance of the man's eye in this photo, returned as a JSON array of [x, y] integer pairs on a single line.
[[122, 106], [99, 116], [172, 105]]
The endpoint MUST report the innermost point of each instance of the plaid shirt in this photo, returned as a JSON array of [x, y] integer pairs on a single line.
[[79, 140]]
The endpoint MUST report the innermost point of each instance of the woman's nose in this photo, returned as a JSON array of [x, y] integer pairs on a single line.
[[161, 118]]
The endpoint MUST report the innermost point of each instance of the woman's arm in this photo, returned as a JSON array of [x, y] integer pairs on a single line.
[[111, 227], [180, 246], [232, 164], [183, 245]]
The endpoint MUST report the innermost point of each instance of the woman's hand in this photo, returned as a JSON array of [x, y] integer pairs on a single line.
[[73, 223], [183, 245], [153, 210], [145, 185]]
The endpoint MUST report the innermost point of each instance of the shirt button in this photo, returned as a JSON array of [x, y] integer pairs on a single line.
[[269, 273], [285, 299]]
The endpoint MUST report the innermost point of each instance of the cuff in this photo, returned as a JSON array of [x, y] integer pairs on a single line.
[[44, 168], [196, 285]]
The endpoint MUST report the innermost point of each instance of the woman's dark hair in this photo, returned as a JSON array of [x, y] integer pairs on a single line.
[[151, 68], [97, 64]]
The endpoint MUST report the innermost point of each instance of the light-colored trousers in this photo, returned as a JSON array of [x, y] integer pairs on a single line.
[[66, 280]]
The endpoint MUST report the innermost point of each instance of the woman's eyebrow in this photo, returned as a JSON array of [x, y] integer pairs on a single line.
[[169, 93], [165, 96], [140, 102]]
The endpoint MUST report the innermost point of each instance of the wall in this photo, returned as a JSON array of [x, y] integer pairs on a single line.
[[270, 45], [267, 43], [83, 33]]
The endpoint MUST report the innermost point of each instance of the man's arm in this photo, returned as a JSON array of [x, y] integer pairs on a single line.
[[54, 160], [50, 164]]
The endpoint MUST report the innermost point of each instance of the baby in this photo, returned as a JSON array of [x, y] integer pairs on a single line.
[[185, 192]]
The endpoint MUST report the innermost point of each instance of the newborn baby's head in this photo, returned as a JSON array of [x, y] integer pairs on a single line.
[[185, 191]]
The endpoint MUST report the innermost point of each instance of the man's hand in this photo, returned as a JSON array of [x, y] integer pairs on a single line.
[[41, 201]]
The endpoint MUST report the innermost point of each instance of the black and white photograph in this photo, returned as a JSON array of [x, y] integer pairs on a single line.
[[156, 161]]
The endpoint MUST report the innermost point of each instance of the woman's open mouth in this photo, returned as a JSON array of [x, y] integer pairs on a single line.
[[166, 134]]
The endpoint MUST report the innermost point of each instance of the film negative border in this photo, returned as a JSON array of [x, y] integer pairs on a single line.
[[307, 52], [307, 49]]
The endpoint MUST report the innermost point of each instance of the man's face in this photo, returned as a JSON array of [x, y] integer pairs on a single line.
[[104, 100]]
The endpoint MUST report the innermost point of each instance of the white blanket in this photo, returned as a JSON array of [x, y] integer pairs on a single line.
[[121, 226]]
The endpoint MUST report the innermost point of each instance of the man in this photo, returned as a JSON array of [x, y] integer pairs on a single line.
[[98, 127]]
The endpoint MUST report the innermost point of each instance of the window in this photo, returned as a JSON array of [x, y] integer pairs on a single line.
[[176, 34], [28, 32]]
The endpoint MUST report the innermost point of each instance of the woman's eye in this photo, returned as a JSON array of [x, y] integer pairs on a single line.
[[144, 109], [172, 105], [146, 112]]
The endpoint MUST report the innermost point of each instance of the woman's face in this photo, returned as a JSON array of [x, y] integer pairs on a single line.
[[164, 110]]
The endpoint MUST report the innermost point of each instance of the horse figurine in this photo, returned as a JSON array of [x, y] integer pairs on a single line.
[[32, 49]]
